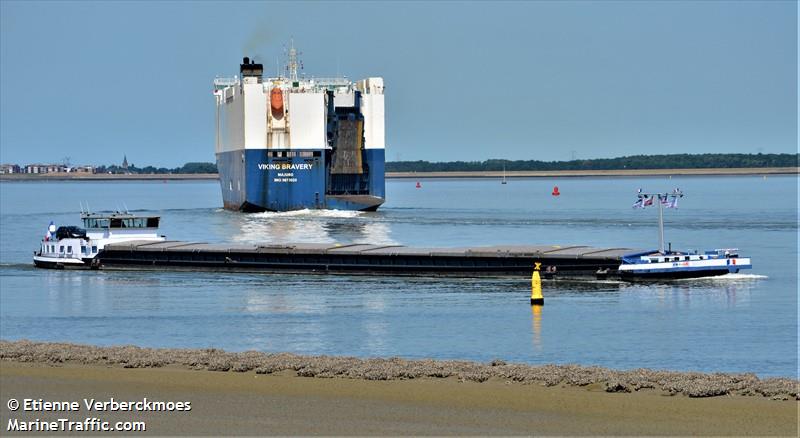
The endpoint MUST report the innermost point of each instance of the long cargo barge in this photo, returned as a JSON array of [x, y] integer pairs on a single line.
[[578, 262]]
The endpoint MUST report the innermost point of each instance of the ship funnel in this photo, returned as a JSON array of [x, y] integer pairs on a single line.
[[248, 68]]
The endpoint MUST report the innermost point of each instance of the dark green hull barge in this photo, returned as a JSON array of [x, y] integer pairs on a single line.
[[579, 262]]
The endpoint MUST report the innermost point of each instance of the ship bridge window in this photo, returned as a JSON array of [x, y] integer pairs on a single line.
[[136, 222], [61, 249], [95, 223], [94, 248], [152, 222]]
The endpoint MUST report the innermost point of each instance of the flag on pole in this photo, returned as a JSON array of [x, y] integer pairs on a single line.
[[673, 202], [648, 201], [638, 203], [50, 230]]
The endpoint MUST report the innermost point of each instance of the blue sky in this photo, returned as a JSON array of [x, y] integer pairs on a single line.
[[465, 81]]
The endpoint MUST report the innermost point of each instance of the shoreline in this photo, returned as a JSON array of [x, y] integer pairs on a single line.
[[433, 175], [686, 383], [289, 394]]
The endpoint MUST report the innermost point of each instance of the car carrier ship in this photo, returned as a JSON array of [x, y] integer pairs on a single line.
[[291, 143]]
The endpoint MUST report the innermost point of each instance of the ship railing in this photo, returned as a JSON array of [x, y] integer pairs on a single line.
[[339, 82], [225, 82]]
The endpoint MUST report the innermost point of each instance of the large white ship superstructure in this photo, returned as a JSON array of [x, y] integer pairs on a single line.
[[289, 143]]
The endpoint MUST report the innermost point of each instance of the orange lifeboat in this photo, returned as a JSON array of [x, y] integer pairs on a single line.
[[276, 103]]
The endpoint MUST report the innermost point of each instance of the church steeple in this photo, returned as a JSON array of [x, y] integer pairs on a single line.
[[125, 163]]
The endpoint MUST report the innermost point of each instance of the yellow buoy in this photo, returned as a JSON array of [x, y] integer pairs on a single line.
[[536, 286]]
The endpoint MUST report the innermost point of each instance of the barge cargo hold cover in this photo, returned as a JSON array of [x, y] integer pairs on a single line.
[[491, 261]]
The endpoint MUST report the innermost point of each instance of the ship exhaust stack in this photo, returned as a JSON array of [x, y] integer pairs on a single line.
[[248, 68]]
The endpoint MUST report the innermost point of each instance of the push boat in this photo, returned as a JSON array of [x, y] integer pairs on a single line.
[[667, 264], [655, 265], [72, 247]]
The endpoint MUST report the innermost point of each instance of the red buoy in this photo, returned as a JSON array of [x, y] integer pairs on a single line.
[[419, 186], [555, 191]]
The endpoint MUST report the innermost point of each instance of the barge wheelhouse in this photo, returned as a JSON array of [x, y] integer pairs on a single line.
[[76, 247]]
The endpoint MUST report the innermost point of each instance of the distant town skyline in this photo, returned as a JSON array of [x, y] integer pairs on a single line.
[[464, 80]]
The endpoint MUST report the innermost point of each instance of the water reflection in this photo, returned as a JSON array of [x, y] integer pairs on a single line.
[[266, 303], [697, 294], [537, 327], [92, 292]]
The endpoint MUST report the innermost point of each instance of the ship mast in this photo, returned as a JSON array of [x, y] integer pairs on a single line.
[[292, 62]]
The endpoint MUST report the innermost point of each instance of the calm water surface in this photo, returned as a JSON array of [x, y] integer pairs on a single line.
[[738, 323]]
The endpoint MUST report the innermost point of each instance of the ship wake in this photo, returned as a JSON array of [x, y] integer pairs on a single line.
[[312, 214], [727, 278]]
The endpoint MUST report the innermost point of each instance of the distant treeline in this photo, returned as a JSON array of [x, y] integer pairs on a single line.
[[678, 161], [186, 168]]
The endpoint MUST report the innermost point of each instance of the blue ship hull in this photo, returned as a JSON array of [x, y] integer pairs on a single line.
[[255, 180]]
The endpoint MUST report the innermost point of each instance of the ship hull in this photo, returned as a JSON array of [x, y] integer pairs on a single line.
[[256, 180], [674, 275], [61, 263]]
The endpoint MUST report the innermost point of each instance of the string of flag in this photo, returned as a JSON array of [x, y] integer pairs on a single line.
[[667, 200]]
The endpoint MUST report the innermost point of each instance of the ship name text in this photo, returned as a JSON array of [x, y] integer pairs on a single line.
[[285, 166]]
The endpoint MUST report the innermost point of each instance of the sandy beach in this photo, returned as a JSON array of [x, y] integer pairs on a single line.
[[284, 404], [281, 401]]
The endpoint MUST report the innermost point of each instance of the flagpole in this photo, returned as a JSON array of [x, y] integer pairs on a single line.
[[660, 226], [646, 199]]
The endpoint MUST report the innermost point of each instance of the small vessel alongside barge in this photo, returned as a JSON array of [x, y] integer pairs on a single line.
[[74, 247], [667, 264], [653, 265]]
